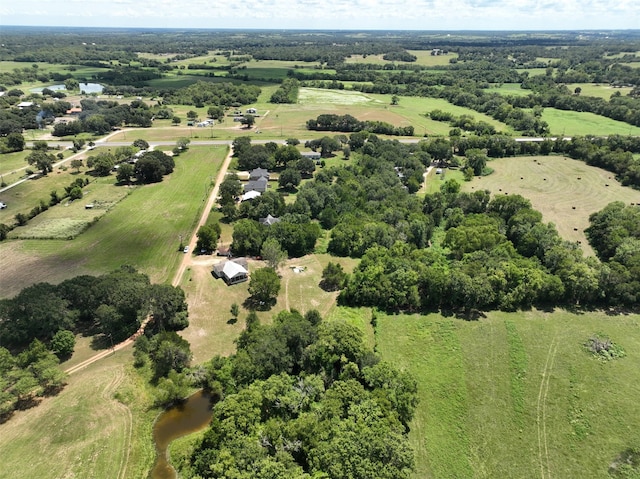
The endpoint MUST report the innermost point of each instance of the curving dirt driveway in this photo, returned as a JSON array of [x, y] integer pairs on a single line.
[[177, 278]]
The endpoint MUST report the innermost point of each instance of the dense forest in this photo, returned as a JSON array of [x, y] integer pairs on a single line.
[[305, 398], [495, 251]]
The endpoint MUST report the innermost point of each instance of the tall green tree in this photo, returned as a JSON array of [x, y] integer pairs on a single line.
[[41, 160], [264, 285]]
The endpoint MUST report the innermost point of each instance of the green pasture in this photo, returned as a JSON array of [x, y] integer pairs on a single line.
[[99, 426], [424, 59], [515, 394], [283, 121], [512, 89], [598, 90], [534, 71], [572, 123], [68, 219], [564, 190], [10, 162], [143, 230]]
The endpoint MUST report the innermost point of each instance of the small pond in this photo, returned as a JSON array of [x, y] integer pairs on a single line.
[[85, 87], [191, 416]]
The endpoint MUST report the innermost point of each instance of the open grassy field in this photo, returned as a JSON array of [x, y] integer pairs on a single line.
[[69, 218], [512, 89], [143, 230], [598, 90], [572, 123], [551, 184], [515, 394], [99, 426], [424, 58]]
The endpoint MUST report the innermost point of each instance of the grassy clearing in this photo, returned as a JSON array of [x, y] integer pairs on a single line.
[[512, 89], [466, 424], [429, 348], [424, 59], [551, 184], [598, 90], [211, 328], [572, 123], [70, 218], [98, 426]]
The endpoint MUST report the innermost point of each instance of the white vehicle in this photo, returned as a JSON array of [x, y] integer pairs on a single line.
[[2, 205], [186, 249]]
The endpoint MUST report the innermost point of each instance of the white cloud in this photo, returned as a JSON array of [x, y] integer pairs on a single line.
[[353, 14]]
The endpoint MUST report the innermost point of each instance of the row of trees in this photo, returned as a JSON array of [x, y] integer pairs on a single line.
[[304, 398], [287, 92], [30, 375], [348, 124], [113, 305]]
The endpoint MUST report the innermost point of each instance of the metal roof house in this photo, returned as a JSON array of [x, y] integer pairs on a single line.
[[232, 271]]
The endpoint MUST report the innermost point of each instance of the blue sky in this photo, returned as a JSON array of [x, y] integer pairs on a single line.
[[328, 14]]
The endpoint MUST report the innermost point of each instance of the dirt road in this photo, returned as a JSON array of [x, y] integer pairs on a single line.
[[177, 278]]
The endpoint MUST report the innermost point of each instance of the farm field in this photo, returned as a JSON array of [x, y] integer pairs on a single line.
[[143, 230], [551, 184], [99, 426], [516, 394], [573, 123]]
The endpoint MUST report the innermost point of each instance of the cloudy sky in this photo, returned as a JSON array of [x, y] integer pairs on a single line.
[[328, 14]]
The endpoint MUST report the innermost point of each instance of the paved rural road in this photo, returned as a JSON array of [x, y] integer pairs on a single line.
[[177, 278]]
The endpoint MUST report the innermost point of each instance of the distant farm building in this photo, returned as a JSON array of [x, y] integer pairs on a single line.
[[232, 271], [312, 155]]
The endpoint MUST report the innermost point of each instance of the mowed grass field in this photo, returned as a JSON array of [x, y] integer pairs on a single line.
[[573, 123], [551, 184], [143, 230], [281, 121], [515, 395], [99, 426]]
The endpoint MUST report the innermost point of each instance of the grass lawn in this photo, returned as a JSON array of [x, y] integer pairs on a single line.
[[142, 230], [551, 184], [515, 394], [572, 123]]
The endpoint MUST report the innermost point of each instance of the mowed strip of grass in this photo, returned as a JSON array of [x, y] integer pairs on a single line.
[[564, 190], [573, 123], [98, 426], [143, 230], [578, 413], [429, 348]]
